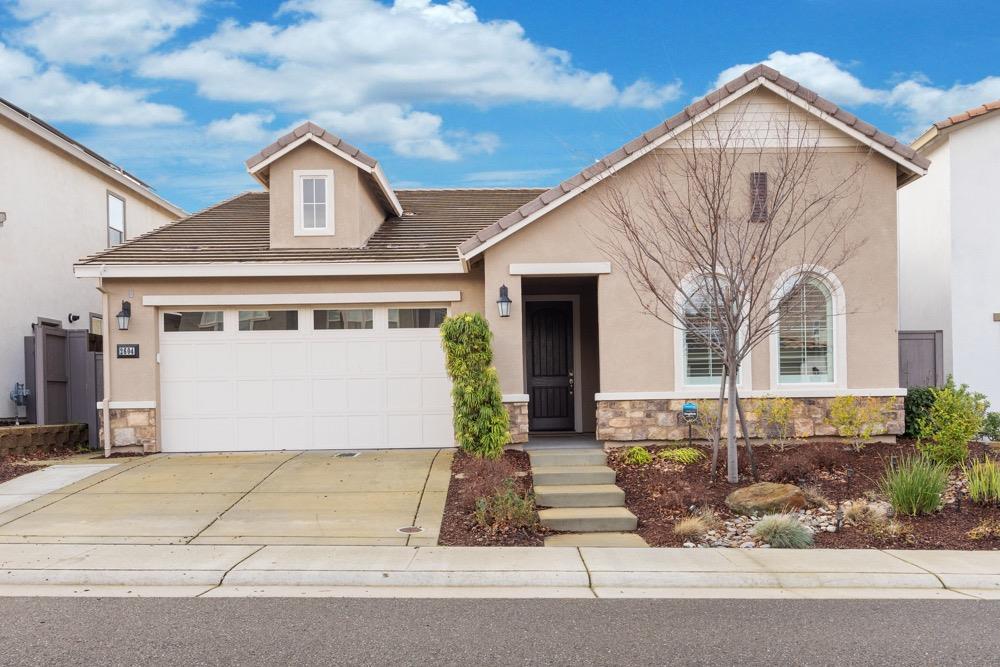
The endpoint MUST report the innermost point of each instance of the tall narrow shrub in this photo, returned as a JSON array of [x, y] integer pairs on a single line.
[[481, 423], [955, 417]]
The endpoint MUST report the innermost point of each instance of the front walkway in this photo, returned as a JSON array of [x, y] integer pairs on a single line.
[[315, 497]]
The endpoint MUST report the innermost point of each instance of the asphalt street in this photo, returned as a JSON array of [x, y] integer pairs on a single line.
[[62, 631]]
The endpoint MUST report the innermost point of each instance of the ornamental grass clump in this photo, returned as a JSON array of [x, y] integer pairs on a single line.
[[637, 456], [684, 455], [915, 485], [505, 509], [983, 481], [482, 426], [783, 531], [955, 417]]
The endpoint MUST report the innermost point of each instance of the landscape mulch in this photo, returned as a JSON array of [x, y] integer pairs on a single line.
[[15, 466], [473, 478], [660, 493]]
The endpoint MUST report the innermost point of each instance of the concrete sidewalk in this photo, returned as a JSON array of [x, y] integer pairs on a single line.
[[399, 571]]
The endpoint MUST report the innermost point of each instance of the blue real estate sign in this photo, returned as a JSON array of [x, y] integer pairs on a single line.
[[690, 412]]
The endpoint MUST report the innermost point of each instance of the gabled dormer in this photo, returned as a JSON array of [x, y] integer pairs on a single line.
[[324, 192]]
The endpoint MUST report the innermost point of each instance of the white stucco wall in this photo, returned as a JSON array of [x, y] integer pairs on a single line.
[[56, 214], [924, 255], [975, 255]]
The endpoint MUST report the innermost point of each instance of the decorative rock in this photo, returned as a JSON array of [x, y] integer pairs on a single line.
[[765, 498], [747, 545], [689, 545]]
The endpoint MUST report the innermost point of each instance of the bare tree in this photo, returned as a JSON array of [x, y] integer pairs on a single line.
[[705, 225]]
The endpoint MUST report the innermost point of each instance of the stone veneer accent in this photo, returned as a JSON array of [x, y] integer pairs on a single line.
[[518, 414], [132, 429], [660, 419]]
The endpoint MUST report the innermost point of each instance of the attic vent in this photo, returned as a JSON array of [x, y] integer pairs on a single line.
[[758, 196], [407, 214], [183, 248]]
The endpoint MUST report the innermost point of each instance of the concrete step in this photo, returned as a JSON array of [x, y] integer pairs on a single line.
[[626, 540], [551, 475], [579, 495], [588, 519], [569, 457]]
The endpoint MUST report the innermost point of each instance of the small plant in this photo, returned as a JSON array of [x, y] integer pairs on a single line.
[[698, 524], [916, 406], [991, 426], [987, 528], [914, 485], [637, 456], [861, 513], [482, 426], [855, 419], [783, 531], [983, 478], [505, 509], [955, 418], [685, 455], [776, 421], [889, 529], [814, 496]]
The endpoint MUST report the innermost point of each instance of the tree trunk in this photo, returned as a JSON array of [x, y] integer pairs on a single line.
[[746, 438], [718, 428], [732, 455]]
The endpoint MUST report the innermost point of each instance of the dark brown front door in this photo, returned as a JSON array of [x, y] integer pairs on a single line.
[[549, 344]]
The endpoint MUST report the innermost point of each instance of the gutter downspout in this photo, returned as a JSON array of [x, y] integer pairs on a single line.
[[106, 360]]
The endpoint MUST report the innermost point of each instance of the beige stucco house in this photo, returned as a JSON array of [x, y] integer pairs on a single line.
[[59, 200], [306, 316]]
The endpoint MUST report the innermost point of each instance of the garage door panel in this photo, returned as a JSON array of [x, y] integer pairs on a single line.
[[328, 389], [403, 393]]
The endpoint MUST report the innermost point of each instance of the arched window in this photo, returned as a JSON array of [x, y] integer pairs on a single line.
[[805, 333]]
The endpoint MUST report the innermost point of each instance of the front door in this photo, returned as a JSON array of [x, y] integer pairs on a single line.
[[549, 344]]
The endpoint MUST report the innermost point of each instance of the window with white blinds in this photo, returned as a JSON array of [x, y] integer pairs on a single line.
[[805, 334], [702, 361]]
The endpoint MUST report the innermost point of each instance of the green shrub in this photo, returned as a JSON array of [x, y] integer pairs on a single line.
[[991, 426], [685, 455], [955, 417], [855, 419], [776, 420], [783, 531], [506, 509], [915, 484], [983, 479], [637, 456], [482, 426], [916, 406]]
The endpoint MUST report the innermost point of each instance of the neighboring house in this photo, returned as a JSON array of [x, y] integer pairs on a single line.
[[59, 200], [306, 316], [949, 311]]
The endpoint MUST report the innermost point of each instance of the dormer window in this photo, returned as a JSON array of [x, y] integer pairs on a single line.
[[313, 202]]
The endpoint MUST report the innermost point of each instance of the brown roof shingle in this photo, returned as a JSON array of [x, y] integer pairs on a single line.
[[434, 223], [678, 119]]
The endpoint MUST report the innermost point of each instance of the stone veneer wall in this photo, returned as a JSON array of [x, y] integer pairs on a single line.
[[132, 429], [660, 419], [518, 414]]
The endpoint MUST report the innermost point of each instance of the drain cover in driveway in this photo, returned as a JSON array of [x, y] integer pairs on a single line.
[[348, 455], [410, 529]]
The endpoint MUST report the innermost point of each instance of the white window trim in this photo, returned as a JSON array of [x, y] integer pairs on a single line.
[[297, 176], [743, 380], [107, 215], [839, 310]]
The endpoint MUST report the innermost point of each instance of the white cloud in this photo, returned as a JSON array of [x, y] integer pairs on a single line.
[[361, 67], [242, 127], [915, 101], [85, 31], [56, 96]]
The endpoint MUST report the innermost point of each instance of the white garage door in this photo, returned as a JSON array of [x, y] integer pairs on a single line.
[[303, 378]]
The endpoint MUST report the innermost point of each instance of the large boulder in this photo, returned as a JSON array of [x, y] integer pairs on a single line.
[[766, 498]]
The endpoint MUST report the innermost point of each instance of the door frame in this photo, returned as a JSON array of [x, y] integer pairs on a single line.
[[574, 301]]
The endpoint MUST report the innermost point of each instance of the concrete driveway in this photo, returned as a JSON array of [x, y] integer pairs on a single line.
[[315, 497]]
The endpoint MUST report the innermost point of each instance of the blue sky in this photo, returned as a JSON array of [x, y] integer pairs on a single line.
[[477, 93]]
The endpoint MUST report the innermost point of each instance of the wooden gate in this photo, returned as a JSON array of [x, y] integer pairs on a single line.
[[921, 359]]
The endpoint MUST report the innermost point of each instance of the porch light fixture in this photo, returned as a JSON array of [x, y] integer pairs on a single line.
[[124, 315], [503, 303]]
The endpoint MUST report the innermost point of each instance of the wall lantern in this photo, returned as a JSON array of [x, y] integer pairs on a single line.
[[503, 303], [124, 315]]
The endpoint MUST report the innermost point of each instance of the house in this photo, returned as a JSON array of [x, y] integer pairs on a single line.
[[949, 315], [59, 200], [306, 316]]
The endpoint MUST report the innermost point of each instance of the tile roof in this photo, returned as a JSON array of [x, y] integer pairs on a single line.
[[238, 230], [318, 132], [968, 115], [689, 112]]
